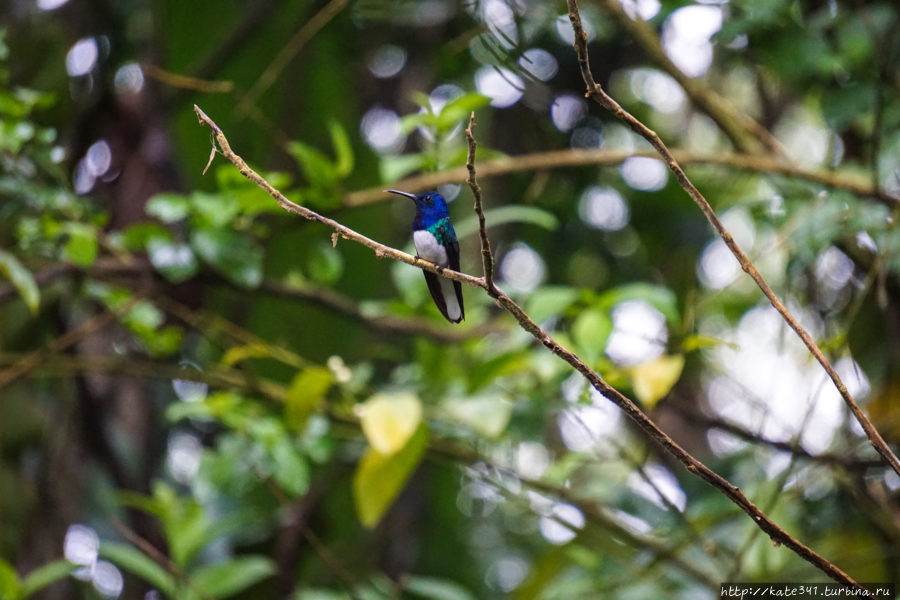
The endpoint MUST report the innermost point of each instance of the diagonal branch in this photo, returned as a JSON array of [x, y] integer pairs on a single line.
[[778, 535], [381, 251], [596, 92]]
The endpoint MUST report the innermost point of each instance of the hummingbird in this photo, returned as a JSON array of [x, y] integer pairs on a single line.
[[436, 241]]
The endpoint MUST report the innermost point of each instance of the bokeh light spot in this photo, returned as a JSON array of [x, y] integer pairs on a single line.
[[567, 110], [108, 579], [502, 86], [387, 61], [686, 37], [380, 128], [522, 269], [603, 208], [183, 459], [644, 173], [562, 524], [82, 57], [717, 266], [539, 63], [640, 9], [639, 333], [98, 158], [129, 79], [81, 545]]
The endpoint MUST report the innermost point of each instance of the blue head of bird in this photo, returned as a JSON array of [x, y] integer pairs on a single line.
[[430, 207]]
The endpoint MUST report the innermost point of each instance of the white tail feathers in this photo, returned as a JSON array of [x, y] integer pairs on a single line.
[[449, 294]]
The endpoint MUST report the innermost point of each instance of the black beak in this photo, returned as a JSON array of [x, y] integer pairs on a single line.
[[399, 193]]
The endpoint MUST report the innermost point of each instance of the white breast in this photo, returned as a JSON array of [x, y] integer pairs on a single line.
[[428, 248]]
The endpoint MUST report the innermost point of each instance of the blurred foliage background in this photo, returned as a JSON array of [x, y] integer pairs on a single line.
[[202, 396]]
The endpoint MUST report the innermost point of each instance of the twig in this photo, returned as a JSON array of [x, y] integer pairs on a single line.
[[596, 92], [73, 336], [186, 82], [778, 535], [341, 304], [157, 555], [487, 258], [556, 159]]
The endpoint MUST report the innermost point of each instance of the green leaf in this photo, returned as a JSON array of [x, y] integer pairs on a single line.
[[458, 109], [343, 151], [434, 588], [228, 578], [233, 255], [217, 210], [21, 279], [305, 394], [392, 168], [590, 331], [44, 576], [487, 415], [510, 214], [549, 301], [164, 341], [9, 582], [139, 235], [188, 530], [168, 207], [325, 263], [143, 317], [488, 371], [380, 477], [291, 469], [139, 564], [316, 167], [81, 244]]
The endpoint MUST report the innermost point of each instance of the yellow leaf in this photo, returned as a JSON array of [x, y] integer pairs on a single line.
[[379, 478], [652, 380], [237, 354], [389, 420]]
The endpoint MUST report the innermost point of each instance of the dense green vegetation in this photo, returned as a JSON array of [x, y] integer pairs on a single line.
[[203, 395]]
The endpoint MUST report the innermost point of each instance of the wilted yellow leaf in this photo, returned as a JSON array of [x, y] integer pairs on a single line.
[[652, 380], [379, 478], [389, 420]]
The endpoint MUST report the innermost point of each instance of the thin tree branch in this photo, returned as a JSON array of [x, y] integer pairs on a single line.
[[596, 92], [290, 51], [693, 465], [487, 257], [556, 159]]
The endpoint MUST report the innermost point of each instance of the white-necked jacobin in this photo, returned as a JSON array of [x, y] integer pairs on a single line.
[[436, 241]]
